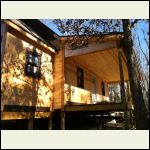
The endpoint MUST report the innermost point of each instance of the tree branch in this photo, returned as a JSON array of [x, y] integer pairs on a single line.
[[134, 22]]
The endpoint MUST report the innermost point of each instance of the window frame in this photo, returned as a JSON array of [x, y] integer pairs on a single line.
[[31, 73], [80, 70], [103, 88]]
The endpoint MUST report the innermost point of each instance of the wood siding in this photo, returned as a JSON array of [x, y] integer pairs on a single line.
[[59, 79], [21, 90], [90, 88]]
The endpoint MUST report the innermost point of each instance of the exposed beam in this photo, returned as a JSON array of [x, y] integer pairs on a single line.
[[18, 32], [92, 47]]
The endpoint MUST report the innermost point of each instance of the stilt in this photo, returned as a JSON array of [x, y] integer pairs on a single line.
[[31, 124], [50, 121], [62, 120]]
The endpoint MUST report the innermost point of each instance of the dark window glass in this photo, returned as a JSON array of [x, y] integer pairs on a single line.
[[32, 66], [80, 78], [103, 88]]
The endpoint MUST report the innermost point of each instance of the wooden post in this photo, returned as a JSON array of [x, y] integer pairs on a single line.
[[50, 121], [31, 124], [62, 120], [122, 90], [62, 86], [129, 98], [130, 106], [69, 93]]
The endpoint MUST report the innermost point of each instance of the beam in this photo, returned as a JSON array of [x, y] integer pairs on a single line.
[[18, 32], [92, 47], [114, 82], [95, 107]]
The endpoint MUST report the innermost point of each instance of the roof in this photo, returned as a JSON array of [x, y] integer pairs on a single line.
[[38, 30], [42, 32]]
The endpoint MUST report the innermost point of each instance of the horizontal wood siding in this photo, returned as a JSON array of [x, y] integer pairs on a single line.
[[21, 90], [71, 79]]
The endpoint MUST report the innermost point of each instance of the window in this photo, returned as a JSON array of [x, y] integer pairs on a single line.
[[103, 88], [32, 66], [80, 78]]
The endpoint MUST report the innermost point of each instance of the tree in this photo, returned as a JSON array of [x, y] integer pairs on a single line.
[[101, 27], [136, 90]]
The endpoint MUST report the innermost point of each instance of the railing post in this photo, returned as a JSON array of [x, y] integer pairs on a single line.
[[69, 93]]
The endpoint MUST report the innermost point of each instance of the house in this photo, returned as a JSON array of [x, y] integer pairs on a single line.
[[44, 76]]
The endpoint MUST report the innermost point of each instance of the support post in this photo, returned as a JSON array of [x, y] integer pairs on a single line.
[[69, 93], [129, 98], [50, 127], [122, 90], [31, 124], [62, 120]]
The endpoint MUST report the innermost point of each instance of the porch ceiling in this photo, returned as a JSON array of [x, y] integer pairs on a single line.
[[103, 64]]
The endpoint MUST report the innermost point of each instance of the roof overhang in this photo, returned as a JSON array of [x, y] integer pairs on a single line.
[[101, 58], [17, 31], [39, 31]]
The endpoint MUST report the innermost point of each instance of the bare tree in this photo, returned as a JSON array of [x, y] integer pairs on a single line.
[[101, 27]]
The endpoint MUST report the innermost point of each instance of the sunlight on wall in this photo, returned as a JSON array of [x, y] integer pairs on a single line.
[[17, 81], [45, 85], [18, 89]]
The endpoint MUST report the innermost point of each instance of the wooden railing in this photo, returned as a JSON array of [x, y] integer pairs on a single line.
[[77, 95]]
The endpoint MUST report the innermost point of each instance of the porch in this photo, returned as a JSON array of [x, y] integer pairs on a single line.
[[98, 66]]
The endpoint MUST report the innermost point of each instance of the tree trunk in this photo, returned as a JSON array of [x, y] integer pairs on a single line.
[[141, 119]]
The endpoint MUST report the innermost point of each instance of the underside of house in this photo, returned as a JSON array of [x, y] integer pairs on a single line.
[[47, 85]]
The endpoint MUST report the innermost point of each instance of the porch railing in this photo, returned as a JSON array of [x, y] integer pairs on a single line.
[[80, 96]]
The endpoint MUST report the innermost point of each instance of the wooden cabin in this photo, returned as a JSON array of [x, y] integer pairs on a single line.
[[42, 76]]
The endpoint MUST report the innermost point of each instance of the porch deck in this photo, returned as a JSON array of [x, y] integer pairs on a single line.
[[95, 107]]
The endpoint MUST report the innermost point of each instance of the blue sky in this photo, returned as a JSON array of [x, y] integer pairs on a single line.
[[139, 27]]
